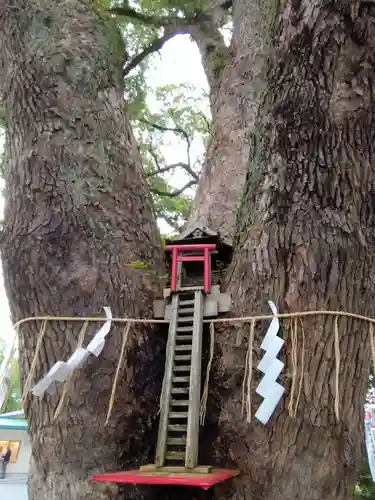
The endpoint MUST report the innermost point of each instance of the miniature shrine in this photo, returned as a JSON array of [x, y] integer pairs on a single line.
[[197, 261]]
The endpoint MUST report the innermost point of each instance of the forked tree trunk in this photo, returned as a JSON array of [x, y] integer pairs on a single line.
[[306, 240], [77, 221], [236, 81]]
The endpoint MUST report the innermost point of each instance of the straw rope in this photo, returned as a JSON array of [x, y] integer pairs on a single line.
[[250, 370], [294, 402], [294, 357], [30, 375], [125, 335], [302, 368], [203, 407], [246, 387], [337, 370], [241, 319], [245, 379]]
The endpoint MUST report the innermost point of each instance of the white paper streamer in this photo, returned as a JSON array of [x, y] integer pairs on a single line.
[[271, 367], [62, 369]]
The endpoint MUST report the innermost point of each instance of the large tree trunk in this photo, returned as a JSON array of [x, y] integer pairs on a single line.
[[236, 81], [306, 240], [77, 216]]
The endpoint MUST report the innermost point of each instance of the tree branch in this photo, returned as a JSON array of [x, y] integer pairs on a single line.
[[162, 128], [155, 158], [172, 166], [177, 192], [150, 49], [225, 5], [163, 21], [177, 130], [139, 16], [203, 26]]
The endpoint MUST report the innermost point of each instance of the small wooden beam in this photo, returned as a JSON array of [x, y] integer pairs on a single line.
[[192, 439], [200, 469], [167, 384]]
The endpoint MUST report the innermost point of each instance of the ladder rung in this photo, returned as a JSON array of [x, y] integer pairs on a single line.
[[179, 415], [176, 441], [186, 310], [183, 347], [188, 319], [186, 303], [181, 368], [175, 455], [184, 329], [176, 402], [177, 428], [180, 390], [180, 379], [184, 337], [182, 357]]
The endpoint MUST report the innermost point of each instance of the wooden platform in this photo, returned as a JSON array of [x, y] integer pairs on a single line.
[[197, 479]]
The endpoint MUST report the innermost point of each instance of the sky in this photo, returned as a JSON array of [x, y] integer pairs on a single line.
[[178, 62]]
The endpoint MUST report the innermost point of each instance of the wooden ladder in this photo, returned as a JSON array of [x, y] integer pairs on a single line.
[[178, 435]]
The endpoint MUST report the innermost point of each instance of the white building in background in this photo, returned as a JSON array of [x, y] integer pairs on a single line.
[[14, 432]]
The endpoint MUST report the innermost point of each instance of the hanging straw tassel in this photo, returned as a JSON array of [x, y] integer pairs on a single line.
[[337, 371], [244, 381], [125, 336], [68, 381], [294, 353], [203, 407], [302, 370], [30, 376], [250, 371]]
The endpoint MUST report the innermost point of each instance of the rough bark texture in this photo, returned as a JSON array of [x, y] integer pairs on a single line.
[[77, 216], [306, 240], [235, 94]]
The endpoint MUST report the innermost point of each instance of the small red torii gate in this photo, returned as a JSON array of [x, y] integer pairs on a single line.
[[205, 257]]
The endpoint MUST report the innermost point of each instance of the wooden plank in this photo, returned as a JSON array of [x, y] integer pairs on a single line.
[[191, 288], [201, 469], [175, 455], [159, 308], [179, 415], [167, 386], [177, 428], [179, 274], [191, 458]]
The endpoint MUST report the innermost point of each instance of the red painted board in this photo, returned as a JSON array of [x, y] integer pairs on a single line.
[[204, 481]]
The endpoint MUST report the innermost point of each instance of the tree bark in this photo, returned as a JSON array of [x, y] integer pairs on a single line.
[[305, 240], [77, 218], [235, 96]]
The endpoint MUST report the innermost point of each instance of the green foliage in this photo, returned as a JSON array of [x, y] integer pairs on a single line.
[[173, 7], [138, 264], [182, 107], [2, 142], [177, 120], [14, 399], [365, 489]]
